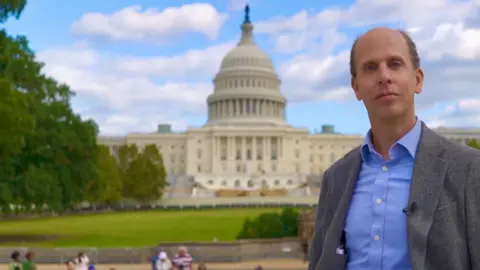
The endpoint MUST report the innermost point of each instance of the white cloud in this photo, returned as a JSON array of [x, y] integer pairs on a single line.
[[121, 100], [463, 113], [451, 40], [133, 23], [307, 27], [120, 123], [194, 63]]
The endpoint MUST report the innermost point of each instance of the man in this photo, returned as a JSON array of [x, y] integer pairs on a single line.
[[15, 264], [182, 260], [407, 198], [28, 264]]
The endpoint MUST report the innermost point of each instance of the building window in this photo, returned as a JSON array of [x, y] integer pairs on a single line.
[[223, 153], [249, 154], [210, 182], [259, 153], [277, 182], [274, 154], [251, 183], [199, 153], [297, 153], [199, 168], [290, 182], [239, 154], [237, 183], [224, 183], [264, 183], [260, 168], [239, 168], [274, 168]]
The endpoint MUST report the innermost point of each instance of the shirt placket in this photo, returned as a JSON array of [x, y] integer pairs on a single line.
[[378, 218]]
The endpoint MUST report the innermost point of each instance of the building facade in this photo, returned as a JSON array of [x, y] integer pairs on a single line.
[[246, 142]]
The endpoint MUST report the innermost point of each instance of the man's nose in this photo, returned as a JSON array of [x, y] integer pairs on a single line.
[[384, 74]]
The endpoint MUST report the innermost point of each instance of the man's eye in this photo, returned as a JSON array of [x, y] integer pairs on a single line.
[[369, 67], [395, 64]]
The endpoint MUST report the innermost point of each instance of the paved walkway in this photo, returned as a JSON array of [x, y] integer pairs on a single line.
[[267, 265]]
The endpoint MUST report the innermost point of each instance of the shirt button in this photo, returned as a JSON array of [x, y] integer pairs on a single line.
[[379, 201], [384, 168], [376, 237]]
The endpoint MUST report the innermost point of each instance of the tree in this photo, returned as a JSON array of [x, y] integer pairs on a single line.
[[126, 153], [50, 152], [145, 177], [10, 8], [106, 187], [15, 124]]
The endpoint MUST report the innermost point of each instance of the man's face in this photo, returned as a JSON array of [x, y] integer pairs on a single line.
[[386, 79]]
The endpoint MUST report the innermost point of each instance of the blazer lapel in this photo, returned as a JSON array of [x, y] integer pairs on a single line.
[[425, 190], [350, 175], [344, 186]]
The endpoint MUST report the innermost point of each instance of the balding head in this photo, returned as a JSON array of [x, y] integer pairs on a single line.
[[382, 32], [386, 74]]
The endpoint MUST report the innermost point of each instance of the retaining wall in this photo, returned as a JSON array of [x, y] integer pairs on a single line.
[[237, 251]]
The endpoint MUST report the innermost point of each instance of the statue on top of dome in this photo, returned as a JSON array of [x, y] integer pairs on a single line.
[[247, 14]]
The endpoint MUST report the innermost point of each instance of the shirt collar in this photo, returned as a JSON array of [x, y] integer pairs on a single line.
[[409, 141]]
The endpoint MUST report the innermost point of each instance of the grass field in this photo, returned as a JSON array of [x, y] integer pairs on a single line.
[[127, 229]]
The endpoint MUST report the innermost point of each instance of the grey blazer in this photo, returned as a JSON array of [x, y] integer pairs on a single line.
[[443, 232]]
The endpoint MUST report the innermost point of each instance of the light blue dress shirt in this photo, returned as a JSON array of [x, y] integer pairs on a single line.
[[375, 228]]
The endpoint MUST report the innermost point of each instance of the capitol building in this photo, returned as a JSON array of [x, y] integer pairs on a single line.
[[246, 143]]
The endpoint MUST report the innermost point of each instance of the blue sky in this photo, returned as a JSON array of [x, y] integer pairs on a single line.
[[307, 41]]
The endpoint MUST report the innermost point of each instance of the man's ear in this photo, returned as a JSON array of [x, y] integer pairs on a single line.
[[419, 77], [353, 84]]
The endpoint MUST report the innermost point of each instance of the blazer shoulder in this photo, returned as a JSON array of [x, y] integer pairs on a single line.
[[460, 152]]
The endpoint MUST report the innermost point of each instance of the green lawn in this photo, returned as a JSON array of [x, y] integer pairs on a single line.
[[128, 229]]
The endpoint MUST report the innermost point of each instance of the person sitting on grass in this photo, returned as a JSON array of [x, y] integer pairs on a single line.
[[28, 263], [16, 264]]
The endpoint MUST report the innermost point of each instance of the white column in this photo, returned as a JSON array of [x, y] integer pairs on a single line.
[[214, 155]]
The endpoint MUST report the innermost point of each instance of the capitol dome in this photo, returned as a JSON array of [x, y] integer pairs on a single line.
[[246, 88], [247, 55]]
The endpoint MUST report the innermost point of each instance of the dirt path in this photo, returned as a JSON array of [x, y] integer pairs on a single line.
[[269, 265]]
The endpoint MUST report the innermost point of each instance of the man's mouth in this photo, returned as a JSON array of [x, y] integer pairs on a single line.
[[386, 95]]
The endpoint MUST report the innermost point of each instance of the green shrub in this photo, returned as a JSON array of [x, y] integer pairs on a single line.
[[270, 225]]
